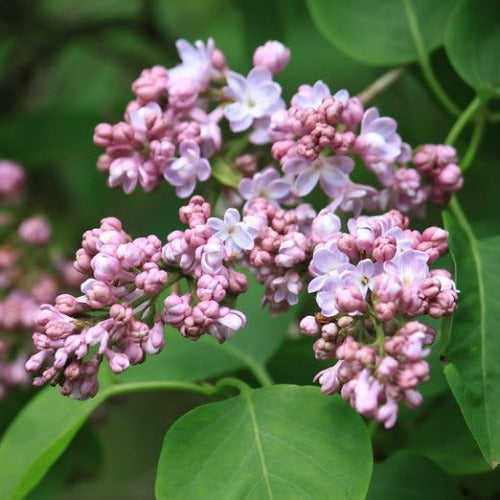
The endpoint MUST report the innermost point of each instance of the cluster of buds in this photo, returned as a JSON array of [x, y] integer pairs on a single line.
[[120, 316], [367, 282], [204, 255], [438, 164], [171, 129], [24, 282]]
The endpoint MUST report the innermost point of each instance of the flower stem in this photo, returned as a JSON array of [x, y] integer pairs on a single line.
[[425, 64], [475, 141], [463, 119], [381, 84], [171, 385]]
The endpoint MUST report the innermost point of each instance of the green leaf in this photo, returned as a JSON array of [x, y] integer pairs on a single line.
[[407, 475], [276, 442], [442, 436], [38, 436], [225, 173], [473, 370], [472, 42], [378, 33]]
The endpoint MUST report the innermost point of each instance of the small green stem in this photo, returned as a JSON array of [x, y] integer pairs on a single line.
[[425, 64], [233, 382], [169, 385], [458, 213], [475, 141], [259, 371], [381, 84], [262, 375], [463, 119], [380, 340]]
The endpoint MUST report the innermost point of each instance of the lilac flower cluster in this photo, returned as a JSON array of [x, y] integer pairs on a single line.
[[370, 282], [24, 284], [314, 137], [119, 317], [204, 254], [171, 129], [367, 282]]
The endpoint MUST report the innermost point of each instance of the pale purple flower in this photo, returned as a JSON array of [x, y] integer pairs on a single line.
[[363, 275], [354, 197], [311, 97], [228, 324], [267, 184], [378, 140], [124, 171], [286, 288], [182, 172], [331, 172], [326, 296], [325, 225], [410, 267], [256, 97], [236, 235], [196, 61], [366, 392], [326, 263], [210, 132], [328, 379]]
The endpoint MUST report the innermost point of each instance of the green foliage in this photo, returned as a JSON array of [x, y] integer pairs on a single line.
[[379, 33], [40, 433], [274, 442], [410, 476], [472, 39], [472, 353]]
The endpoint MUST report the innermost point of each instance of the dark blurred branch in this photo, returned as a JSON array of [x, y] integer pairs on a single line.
[[40, 40]]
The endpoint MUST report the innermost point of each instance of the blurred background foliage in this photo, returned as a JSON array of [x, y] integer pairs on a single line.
[[66, 65]]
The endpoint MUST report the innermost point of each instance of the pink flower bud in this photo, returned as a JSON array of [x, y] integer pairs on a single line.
[[35, 231], [118, 361], [350, 300], [272, 55], [384, 248], [176, 309], [155, 341], [309, 326]]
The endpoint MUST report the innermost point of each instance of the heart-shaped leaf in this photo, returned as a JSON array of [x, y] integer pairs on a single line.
[[276, 442], [380, 33]]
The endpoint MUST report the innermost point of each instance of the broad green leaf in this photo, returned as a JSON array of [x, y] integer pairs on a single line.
[[276, 442], [442, 436], [473, 351], [379, 33], [472, 42], [407, 475], [34, 441]]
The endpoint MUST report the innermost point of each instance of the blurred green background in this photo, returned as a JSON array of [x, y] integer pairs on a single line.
[[66, 65]]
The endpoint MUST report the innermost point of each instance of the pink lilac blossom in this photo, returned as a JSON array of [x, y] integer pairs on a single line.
[[24, 282], [378, 270]]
